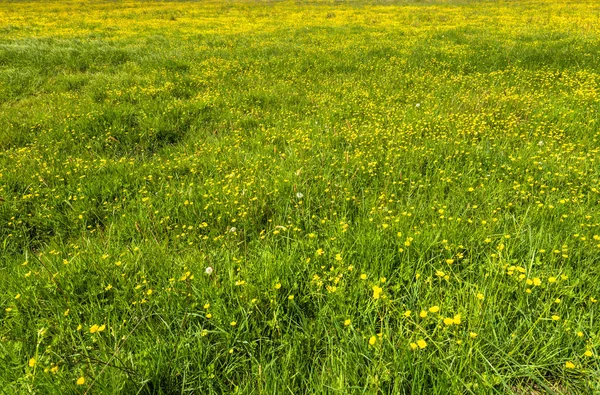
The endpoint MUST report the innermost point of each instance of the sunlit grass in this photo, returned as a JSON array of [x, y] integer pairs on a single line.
[[302, 197]]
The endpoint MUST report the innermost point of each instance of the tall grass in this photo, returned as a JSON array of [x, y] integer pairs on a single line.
[[299, 197]]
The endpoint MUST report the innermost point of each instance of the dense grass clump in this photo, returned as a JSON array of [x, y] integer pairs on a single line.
[[299, 197]]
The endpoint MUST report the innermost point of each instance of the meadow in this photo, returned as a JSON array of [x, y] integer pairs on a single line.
[[286, 197]]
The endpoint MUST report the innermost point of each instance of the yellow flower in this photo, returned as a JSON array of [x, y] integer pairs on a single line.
[[407, 313], [537, 282], [372, 340], [421, 343], [555, 318], [363, 276], [278, 285], [473, 335], [413, 346], [434, 309], [480, 296], [377, 292], [291, 297], [423, 314], [347, 322], [457, 319], [94, 328], [233, 323], [551, 279], [81, 381], [570, 365], [32, 362], [448, 321], [588, 353]]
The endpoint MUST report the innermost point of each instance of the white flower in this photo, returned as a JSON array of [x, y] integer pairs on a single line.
[[540, 143], [208, 270], [418, 105], [299, 195], [232, 229]]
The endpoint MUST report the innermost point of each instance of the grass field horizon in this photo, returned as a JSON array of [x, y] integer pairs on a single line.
[[267, 197]]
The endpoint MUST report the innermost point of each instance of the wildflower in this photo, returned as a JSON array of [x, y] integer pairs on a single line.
[[233, 323], [555, 318], [299, 195], [32, 362], [570, 365], [480, 296], [81, 381], [551, 279], [407, 313], [588, 353], [372, 340], [421, 343], [537, 282], [347, 322], [376, 292], [473, 335], [423, 314], [94, 328], [434, 309], [448, 321], [363, 276], [208, 271]]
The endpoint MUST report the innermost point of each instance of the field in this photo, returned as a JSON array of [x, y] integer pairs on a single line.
[[265, 197]]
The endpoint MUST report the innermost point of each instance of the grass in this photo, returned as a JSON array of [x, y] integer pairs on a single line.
[[299, 197]]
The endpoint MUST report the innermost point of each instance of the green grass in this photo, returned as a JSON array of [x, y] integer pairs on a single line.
[[447, 151]]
